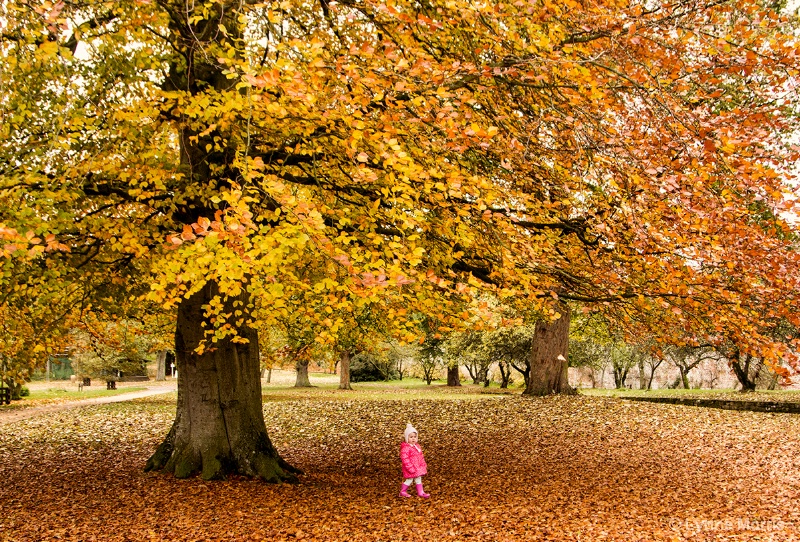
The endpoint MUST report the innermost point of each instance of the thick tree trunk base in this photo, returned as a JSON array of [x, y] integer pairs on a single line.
[[215, 464], [453, 378], [302, 375], [219, 425]]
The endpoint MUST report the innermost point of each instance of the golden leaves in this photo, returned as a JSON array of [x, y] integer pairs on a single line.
[[600, 148], [496, 463]]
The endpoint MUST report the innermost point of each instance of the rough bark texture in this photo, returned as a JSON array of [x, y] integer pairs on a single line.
[[219, 426], [302, 374], [548, 358], [453, 378], [344, 371]]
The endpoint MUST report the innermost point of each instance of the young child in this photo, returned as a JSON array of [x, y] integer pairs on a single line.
[[414, 466]]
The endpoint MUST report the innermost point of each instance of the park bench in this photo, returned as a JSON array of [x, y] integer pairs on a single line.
[[111, 384], [5, 396]]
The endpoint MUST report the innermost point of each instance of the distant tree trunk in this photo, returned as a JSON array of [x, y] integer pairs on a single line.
[[525, 371], [654, 364], [219, 425], [344, 371], [453, 378], [474, 372], [620, 377], [428, 369], [161, 365], [505, 374], [302, 374], [742, 371], [773, 382], [170, 364], [548, 358], [15, 390], [642, 374], [683, 377]]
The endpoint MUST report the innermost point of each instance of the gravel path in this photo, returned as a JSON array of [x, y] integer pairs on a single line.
[[18, 414]]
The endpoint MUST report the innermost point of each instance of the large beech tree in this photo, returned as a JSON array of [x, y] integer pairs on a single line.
[[627, 155]]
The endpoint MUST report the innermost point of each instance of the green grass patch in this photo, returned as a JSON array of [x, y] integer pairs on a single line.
[[407, 389]]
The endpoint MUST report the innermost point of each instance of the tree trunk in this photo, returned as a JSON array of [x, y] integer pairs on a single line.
[[548, 372], [524, 371], [773, 382], [472, 370], [16, 391], [743, 373], [505, 375], [219, 425], [653, 366], [302, 374], [161, 366], [344, 371], [453, 378], [642, 374], [620, 377]]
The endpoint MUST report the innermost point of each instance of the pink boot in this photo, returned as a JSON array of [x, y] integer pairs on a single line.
[[404, 491], [421, 493]]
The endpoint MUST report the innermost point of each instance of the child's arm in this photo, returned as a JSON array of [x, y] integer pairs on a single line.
[[405, 458]]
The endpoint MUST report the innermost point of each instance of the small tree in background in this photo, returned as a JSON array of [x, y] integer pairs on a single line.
[[402, 357], [685, 359], [111, 349]]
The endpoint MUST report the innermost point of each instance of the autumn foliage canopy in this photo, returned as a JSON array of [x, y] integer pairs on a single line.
[[632, 157]]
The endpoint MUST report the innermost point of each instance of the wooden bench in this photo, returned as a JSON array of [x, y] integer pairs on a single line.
[[5, 396], [111, 384]]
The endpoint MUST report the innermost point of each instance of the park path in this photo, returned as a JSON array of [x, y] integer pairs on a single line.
[[19, 414]]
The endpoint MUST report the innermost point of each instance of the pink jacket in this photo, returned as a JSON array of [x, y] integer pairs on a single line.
[[413, 461]]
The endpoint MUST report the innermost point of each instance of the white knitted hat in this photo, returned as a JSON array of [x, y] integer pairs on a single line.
[[409, 429]]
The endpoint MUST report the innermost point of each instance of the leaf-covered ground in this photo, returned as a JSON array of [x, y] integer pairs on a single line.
[[501, 468], [778, 396]]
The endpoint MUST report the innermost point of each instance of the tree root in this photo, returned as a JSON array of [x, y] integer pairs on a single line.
[[184, 461]]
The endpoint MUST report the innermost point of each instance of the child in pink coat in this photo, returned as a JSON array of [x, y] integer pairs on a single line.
[[414, 466]]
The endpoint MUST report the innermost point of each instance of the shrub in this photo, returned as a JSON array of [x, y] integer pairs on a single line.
[[365, 367]]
